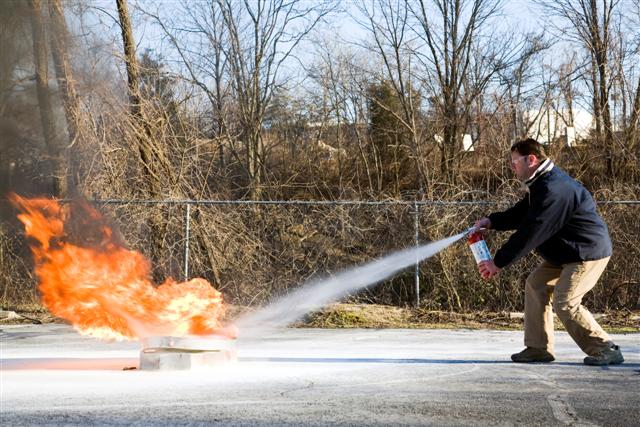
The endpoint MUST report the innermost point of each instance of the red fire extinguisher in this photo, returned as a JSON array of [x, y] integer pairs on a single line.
[[478, 246]]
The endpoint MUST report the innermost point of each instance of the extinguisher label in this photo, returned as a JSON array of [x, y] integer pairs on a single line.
[[480, 251]]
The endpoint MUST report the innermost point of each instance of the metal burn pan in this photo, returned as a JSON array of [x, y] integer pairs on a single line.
[[187, 352]]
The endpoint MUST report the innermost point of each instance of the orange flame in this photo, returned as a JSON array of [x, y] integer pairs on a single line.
[[104, 290]]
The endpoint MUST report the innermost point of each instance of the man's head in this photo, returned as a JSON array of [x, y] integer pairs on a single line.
[[526, 156]]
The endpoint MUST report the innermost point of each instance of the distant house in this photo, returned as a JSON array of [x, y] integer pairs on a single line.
[[547, 125], [467, 141]]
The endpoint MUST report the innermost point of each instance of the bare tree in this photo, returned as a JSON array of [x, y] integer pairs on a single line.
[[144, 138], [520, 87], [633, 139], [388, 23], [15, 25], [631, 92], [198, 36], [66, 84], [342, 75], [242, 50], [131, 61], [455, 34], [566, 76], [262, 37], [49, 131], [590, 22]]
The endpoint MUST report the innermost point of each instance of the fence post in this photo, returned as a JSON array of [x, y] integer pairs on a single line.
[[187, 230], [416, 226]]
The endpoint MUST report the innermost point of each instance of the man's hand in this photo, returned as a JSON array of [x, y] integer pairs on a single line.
[[483, 223], [488, 269]]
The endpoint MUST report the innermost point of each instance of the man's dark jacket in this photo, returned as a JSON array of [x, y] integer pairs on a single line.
[[558, 218]]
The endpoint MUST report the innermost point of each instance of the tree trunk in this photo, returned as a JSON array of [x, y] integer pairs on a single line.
[[635, 113], [157, 225], [599, 41], [606, 111], [135, 104], [632, 133], [44, 101], [254, 166], [66, 86], [131, 61], [597, 112]]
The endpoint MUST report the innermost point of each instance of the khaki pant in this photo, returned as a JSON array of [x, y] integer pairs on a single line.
[[564, 285]]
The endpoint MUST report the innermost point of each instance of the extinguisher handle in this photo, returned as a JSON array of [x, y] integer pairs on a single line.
[[474, 229]]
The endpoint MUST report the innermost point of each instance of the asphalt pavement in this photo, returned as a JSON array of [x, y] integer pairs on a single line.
[[52, 376]]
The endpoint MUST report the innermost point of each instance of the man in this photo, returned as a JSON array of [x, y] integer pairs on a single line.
[[558, 218]]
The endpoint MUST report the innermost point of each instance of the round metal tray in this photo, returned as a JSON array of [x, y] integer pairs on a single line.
[[190, 342]]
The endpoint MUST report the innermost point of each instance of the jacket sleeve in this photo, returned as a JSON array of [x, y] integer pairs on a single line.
[[511, 218], [549, 212]]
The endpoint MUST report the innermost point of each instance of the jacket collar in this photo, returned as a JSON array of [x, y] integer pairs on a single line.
[[544, 167]]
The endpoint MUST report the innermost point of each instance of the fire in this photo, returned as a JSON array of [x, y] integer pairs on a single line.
[[104, 289]]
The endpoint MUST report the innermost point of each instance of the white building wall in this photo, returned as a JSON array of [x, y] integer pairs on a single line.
[[548, 124]]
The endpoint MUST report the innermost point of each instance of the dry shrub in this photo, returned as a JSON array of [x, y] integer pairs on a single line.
[[254, 253], [17, 285], [620, 284]]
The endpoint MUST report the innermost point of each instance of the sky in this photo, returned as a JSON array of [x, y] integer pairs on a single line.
[[518, 15]]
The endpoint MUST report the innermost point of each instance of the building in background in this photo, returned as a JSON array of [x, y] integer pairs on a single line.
[[547, 125]]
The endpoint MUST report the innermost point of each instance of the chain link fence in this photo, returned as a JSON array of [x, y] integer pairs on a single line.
[[254, 251]]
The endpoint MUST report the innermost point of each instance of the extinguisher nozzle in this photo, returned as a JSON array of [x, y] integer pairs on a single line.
[[473, 229]]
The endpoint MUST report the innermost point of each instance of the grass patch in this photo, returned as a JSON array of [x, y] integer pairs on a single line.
[[342, 315], [380, 316]]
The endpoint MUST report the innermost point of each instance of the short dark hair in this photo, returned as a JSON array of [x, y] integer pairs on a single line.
[[529, 146]]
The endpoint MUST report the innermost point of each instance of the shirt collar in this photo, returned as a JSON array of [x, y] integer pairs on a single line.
[[544, 167]]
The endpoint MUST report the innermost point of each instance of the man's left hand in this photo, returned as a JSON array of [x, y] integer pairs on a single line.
[[488, 269]]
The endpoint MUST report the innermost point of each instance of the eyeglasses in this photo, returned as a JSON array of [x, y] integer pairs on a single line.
[[514, 162]]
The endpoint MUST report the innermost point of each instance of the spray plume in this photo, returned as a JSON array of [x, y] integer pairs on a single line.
[[317, 293]]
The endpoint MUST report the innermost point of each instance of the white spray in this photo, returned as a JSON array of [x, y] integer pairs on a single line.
[[317, 293]]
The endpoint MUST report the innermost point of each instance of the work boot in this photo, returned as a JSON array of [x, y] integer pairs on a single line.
[[531, 355], [608, 356]]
